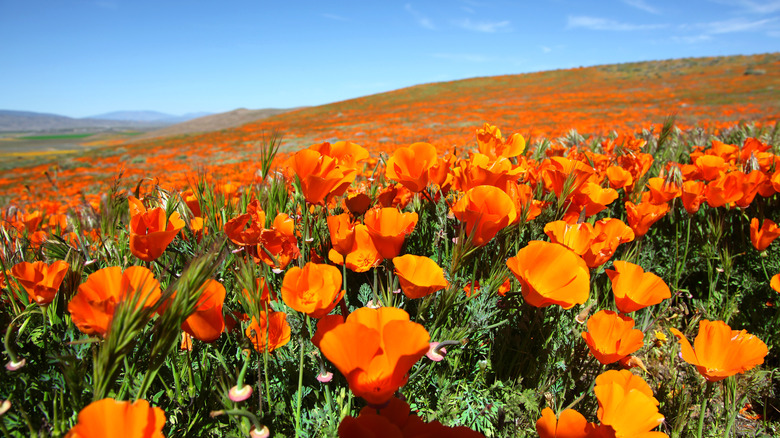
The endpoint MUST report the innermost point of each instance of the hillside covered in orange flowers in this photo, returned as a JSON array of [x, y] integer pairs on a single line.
[[707, 92]]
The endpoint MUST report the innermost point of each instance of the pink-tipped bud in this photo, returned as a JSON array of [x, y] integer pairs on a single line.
[[260, 433], [13, 366], [240, 394], [433, 355], [325, 378], [371, 305], [5, 406]]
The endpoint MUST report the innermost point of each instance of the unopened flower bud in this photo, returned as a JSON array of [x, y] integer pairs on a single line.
[[237, 394]]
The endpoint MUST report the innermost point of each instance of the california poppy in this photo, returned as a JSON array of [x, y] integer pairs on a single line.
[[774, 283], [320, 175], [375, 349], [549, 274], [40, 280], [151, 233], [342, 233], [634, 288], [726, 189], [626, 408], [620, 178], [270, 333], [484, 211], [719, 352], [491, 143], [92, 308], [610, 233], [120, 419], [388, 229], [278, 246], [314, 289], [643, 215], [363, 254], [206, 323], [245, 229], [569, 424], [409, 165], [395, 420], [692, 194], [611, 336], [762, 237], [419, 276]]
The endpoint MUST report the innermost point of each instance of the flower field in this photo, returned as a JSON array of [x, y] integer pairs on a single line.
[[580, 253]]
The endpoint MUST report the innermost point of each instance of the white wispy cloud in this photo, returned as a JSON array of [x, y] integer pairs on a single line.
[[751, 6], [545, 49], [463, 57], [598, 23], [421, 19], [692, 39], [737, 25], [641, 5], [483, 26], [335, 17]]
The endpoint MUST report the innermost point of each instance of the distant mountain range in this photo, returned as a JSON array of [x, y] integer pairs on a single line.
[[25, 121], [148, 116]]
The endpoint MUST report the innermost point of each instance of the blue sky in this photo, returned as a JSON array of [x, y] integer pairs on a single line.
[[83, 57]]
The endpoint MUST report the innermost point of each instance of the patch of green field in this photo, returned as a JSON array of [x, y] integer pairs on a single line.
[[56, 136]]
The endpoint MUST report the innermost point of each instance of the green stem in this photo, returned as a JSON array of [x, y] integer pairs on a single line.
[[703, 409], [298, 430]]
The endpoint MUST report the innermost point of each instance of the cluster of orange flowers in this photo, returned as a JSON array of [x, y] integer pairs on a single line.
[[495, 188]]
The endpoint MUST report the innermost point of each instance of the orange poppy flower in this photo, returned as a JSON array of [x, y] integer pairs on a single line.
[[619, 178], [342, 233], [626, 406], [610, 233], [634, 288], [206, 323], [192, 202], [576, 237], [320, 175], [775, 283], [388, 228], [549, 274], [569, 424], [726, 189], [692, 194], [662, 190], [491, 143], [409, 165], [710, 166], [484, 211], [347, 153], [314, 289], [357, 203], [479, 170], [273, 328], [762, 237], [419, 276], [245, 229], [151, 233], [375, 349], [363, 255], [120, 419], [719, 352], [39, 280], [279, 242], [395, 420], [92, 308], [612, 337], [643, 215]]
